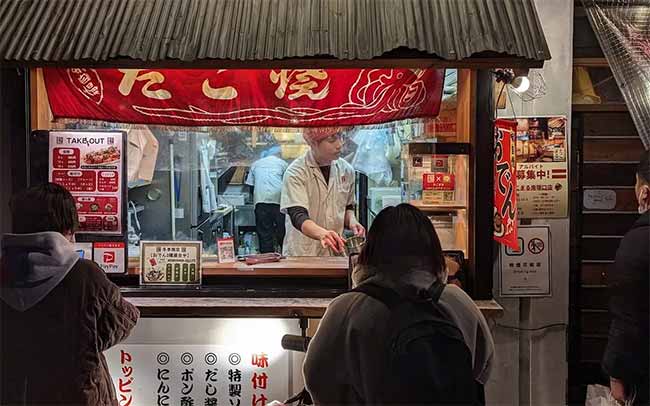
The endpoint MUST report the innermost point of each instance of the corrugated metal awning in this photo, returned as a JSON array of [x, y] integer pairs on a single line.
[[191, 31]]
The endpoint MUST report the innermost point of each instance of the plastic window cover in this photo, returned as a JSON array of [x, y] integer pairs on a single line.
[[623, 31]]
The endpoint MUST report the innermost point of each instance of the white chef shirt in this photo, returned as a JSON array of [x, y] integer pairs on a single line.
[[265, 176], [305, 186]]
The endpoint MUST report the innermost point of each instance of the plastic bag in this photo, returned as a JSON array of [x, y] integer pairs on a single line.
[[599, 395], [142, 153], [370, 158]]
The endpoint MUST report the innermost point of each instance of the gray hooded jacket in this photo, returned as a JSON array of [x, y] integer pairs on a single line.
[[58, 313], [33, 264]]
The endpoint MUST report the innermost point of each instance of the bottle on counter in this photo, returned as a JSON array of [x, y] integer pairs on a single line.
[[241, 247], [255, 244]]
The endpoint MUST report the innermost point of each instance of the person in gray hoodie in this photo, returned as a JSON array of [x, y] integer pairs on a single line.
[[345, 361], [58, 312]]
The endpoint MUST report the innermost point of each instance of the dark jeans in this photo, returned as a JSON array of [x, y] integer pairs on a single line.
[[270, 226]]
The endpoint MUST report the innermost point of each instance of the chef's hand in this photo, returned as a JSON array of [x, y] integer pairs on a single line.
[[331, 239], [357, 229], [617, 387]]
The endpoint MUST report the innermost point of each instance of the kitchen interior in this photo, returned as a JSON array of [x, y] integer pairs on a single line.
[[190, 183]]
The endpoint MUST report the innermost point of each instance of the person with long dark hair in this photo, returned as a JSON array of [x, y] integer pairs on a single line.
[[626, 356], [348, 359]]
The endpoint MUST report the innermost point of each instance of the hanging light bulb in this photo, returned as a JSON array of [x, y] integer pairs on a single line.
[[516, 78], [520, 84]]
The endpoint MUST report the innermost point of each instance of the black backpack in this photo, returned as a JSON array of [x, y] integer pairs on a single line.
[[429, 362]]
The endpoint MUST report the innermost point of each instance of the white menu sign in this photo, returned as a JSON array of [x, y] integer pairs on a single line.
[[526, 271], [206, 375], [170, 262], [89, 165]]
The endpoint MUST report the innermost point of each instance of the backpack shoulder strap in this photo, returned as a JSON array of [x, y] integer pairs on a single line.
[[435, 291], [385, 295]]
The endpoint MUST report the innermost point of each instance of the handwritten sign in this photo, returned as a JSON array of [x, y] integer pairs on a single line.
[[599, 199]]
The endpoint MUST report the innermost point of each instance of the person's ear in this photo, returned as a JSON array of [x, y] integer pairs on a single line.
[[644, 198]]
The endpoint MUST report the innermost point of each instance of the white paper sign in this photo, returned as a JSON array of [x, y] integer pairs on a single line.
[[599, 199], [214, 375], [527, 271], [226, 250]]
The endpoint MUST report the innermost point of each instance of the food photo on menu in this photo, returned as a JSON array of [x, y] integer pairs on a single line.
[[102, 156], [541, 139]]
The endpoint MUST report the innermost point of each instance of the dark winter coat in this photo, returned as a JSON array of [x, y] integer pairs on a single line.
[[345, 361], [626, 355], [58, 313]]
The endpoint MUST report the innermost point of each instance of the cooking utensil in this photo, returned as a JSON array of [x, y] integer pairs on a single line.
[[354, 244]]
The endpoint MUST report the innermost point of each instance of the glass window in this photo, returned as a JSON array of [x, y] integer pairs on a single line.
[[203, 183]]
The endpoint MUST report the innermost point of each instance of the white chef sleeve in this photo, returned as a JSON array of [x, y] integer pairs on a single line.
[[352, 198], [294, 189]]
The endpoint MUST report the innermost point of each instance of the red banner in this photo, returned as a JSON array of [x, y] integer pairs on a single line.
[[505, 183], [280, 98]]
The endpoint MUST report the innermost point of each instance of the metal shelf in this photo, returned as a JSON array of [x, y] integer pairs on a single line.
[[437, 208]]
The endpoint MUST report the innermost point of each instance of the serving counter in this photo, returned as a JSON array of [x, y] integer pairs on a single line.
[[315, 282], [315, 267]]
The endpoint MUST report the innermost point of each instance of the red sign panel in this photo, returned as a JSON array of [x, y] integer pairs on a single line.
[[279, 97], [89, 165], [438, 181], [505, 183]]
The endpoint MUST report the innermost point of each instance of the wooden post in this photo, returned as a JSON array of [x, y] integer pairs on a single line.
[[466, 105], [41, 115]]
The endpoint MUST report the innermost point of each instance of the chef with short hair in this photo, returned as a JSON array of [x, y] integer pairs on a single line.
[[318, 194]]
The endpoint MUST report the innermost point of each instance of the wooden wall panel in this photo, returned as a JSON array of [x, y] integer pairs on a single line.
[[585, 44], [592, 348], [608, 125], [607, 224], [599, 248], [609, 174], [625, 149], [594, 322], [594, 274], [593, 298], [626, 200]]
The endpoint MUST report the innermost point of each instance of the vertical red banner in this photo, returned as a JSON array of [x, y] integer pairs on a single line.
[[505, 183]]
